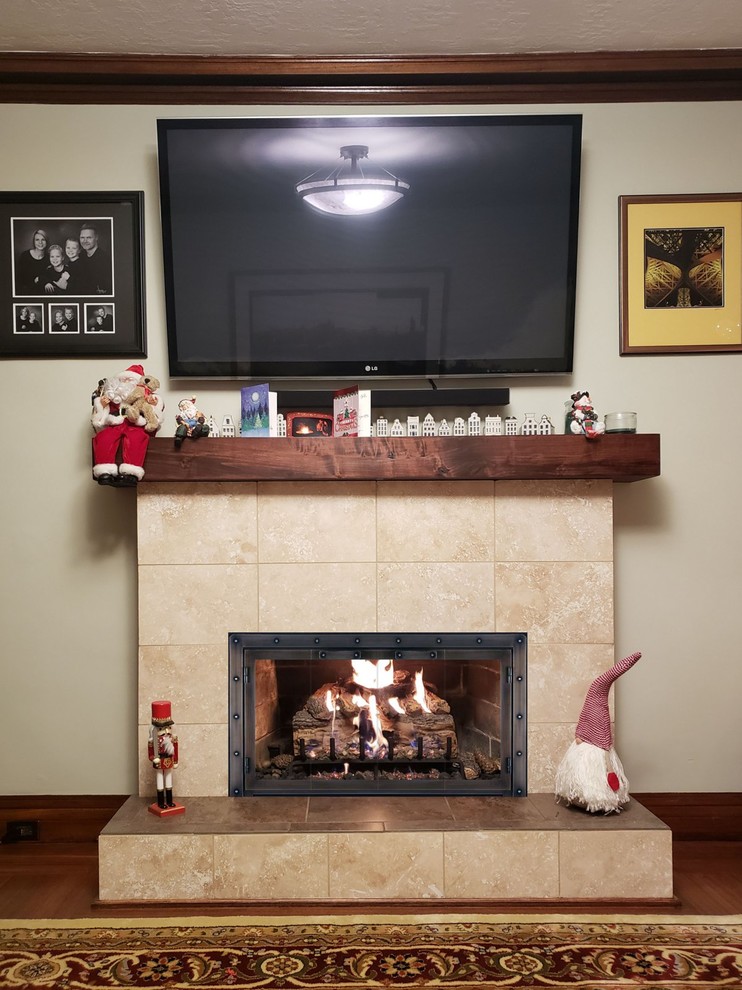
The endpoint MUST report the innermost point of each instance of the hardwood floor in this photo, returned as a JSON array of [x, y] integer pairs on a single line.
[[708, 876], [60, 880]]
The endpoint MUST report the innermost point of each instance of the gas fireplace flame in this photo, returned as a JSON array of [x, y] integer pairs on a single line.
[[396, 704], [359, 701], [373, 674], [331, 702], [379, 742], [419, 694], [371, 737]]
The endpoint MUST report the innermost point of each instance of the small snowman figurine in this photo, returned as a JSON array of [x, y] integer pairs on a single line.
[[582, 418]]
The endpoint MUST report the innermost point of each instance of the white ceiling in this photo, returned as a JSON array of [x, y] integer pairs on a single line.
[[387, 27]]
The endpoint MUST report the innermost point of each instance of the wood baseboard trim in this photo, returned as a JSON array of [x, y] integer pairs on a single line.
[[61, 818], [555, 905], [713, 816]]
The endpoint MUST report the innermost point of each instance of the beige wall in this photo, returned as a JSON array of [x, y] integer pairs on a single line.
[[68, 588]]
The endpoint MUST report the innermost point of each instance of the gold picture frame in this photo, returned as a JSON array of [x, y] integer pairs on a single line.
[[681, 273]]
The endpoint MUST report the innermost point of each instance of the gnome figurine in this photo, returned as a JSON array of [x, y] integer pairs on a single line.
[[590, 774]]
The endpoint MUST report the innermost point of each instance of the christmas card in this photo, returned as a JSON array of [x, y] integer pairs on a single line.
[[351, 409], [258, 411]]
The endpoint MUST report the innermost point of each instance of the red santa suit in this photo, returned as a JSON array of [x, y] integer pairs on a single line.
[[119, 446]]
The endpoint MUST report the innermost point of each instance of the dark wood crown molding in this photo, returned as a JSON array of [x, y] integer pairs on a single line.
[[586, 77]]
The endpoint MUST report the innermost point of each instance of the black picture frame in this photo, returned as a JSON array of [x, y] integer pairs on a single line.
[[50, 307]]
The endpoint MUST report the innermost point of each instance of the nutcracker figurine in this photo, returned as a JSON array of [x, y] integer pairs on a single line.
[[162, 751]]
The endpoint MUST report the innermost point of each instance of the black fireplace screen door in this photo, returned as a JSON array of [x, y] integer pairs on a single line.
[[377, 713]]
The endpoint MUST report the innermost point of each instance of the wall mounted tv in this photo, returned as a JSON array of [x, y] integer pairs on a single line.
[[282, 259]]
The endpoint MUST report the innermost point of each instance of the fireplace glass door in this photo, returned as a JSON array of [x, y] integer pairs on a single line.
[[377, 713]]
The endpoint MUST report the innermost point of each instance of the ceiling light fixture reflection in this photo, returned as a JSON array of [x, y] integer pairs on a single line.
[[354, 187]]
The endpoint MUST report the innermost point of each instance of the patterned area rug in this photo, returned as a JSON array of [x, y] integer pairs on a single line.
[[442, 951]]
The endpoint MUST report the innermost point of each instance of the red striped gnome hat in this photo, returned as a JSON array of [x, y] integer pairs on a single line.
[[595, 721]]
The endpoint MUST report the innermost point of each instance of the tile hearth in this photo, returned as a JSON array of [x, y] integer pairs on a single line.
[[390, 849]]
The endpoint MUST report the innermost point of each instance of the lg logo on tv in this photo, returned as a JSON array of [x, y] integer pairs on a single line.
[[372, 367]]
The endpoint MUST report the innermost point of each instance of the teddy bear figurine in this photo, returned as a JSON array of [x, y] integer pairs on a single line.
[[137, 403]]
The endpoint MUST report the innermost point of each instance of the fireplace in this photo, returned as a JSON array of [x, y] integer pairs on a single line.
[[451, 552], [377, 713], [459, 556]]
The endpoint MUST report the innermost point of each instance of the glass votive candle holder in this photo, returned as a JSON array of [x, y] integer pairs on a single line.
[[620, 422]]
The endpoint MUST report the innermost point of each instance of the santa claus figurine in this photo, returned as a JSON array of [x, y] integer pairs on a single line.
[[119, 445], [590, 774], [162, 752], [190, 421]]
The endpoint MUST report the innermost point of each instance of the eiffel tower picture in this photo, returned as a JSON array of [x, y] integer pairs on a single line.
[[683, 267]]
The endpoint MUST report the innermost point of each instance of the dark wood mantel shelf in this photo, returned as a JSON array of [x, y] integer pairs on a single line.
[[618, 457]]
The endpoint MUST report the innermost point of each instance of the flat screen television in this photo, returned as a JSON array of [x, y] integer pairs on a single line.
[[370, 247]]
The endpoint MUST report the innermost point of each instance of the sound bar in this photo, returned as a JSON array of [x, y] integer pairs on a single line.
[[320, 400]]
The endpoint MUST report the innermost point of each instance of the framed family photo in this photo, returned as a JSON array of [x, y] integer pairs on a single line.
[[681, 273], [71, 274]]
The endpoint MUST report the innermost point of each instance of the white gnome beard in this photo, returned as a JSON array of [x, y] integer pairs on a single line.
[[582, 778]]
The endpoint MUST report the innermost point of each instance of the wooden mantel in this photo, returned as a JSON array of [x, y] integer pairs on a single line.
[[617, 457]]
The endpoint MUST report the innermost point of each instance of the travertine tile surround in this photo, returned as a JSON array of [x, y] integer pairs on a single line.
[[363, 556]]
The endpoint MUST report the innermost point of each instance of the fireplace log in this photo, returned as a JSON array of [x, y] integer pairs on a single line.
[[312, 724]]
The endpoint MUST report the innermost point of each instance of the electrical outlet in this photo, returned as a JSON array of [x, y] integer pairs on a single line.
[[21, 831]]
